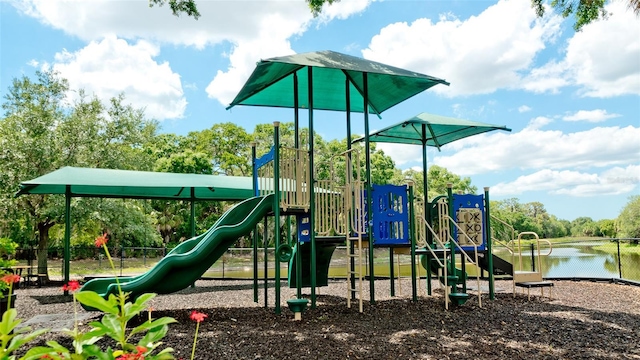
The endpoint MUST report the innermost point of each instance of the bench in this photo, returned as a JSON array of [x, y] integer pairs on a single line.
[[35, 279], [535, 284]]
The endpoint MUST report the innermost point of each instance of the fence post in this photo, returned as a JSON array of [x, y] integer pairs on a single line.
[[121, 258], [619, 260], [533, 260]]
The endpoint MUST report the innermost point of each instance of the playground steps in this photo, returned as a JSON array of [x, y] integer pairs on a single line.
[[527, 276]]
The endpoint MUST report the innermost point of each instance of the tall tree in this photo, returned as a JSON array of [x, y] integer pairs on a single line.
[[40, 134], [629, 219]]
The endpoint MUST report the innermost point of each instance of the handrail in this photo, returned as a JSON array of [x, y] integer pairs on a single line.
[[442, 265], [538, 240], [511, 236], [464, 253]]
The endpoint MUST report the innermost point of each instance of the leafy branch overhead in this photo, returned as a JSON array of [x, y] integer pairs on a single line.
[[584, 11], [190, 8]]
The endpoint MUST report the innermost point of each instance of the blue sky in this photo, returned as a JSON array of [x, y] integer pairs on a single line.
[[572, 99]]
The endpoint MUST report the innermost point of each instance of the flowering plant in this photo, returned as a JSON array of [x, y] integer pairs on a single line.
[[7, 251], [118, 311], [198, 317]]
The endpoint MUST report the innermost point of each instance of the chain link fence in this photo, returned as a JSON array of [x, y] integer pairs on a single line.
[[583, 258]]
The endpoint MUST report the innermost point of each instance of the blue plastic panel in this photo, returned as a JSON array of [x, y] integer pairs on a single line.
[[468, 211], [304, 227], [390, 215]]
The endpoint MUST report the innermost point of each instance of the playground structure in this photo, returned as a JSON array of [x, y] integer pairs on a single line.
[[348, 209]]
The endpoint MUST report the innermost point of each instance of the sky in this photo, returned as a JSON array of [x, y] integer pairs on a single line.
[[572, 99]]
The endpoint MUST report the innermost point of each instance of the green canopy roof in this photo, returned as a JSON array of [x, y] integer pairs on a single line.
[[110, 183], [271, 83], [430, 130]]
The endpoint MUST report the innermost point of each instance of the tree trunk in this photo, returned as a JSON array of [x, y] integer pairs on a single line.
[[42, 254]]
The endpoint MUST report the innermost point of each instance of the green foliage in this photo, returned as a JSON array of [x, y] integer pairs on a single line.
[[179, 6], [584, 11], [13, 336], [437, 179], [316, 5], [629, 219]]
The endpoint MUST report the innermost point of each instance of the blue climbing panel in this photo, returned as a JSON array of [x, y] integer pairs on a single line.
[[390, 215], [469, 215], [304, 228]]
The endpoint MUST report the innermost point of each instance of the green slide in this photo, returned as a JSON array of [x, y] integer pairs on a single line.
[[324, 252], [186, 263]]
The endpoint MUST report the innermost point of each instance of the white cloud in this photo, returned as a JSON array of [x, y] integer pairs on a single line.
[[256, 29], [613, 181], [594, 116], [602, 59], [532, 148], [538, 122], [523, 108], [477, 55], [112, 66]]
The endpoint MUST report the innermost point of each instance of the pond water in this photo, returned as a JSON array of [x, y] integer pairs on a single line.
[[584, 260], [567, 260]]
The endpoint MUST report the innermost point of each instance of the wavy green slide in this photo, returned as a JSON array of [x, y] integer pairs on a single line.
[[186, 263]]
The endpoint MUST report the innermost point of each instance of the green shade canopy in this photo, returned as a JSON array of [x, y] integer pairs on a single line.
[[430, 130], [271, 83], [109, 183]]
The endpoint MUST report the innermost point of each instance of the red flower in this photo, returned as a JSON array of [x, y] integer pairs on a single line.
[[197, 316], [101, 240], [139, 355], [10, 279], [72, 286]]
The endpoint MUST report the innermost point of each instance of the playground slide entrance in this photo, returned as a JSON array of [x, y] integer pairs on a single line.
[[191, 259]]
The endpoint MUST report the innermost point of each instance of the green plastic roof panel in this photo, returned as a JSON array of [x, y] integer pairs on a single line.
[[438, 130], [110, 183], [271, 83]]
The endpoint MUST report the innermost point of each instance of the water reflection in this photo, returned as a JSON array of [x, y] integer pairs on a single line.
[[583, 260]]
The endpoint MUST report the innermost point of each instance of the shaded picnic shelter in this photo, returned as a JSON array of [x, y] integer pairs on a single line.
[[129, 184]]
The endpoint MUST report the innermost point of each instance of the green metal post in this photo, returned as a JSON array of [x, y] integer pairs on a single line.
[[367, 150], [265, 234], [193, 213], [296, 145], [255, 230], [452, 245], [312, 200], [67, 234], [276, 207], [427, 212], [487, 214], [412, 238], [391, 273]]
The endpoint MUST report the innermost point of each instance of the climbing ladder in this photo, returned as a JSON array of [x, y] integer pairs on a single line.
[[354, 210]]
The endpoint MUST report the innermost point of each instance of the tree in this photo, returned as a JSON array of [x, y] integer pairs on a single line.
[[629, 219], [607, 227], [585, 11], [40, 134], [584, 226]]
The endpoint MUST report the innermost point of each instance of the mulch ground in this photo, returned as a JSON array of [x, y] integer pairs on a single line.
[[582, 321]]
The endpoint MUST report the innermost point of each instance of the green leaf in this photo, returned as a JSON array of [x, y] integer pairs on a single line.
[[153, 324], [154, 336], [92, 299]]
